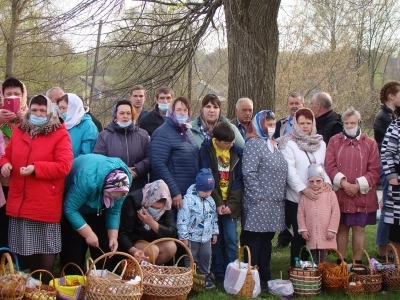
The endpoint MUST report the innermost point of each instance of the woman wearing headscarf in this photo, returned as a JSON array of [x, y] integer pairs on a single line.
[[147, 216], [210, 115], [94, 193], [80, 126], [264, 174], [37, 160], [301, 147], [121, 138], [174, 153]]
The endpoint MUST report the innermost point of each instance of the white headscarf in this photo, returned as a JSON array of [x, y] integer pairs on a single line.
[[75, 111]]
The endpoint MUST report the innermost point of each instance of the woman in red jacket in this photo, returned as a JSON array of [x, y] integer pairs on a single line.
[[37, 160]]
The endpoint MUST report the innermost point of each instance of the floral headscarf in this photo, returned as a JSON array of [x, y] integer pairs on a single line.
[[305, 142], [153, 192], [115, 181]]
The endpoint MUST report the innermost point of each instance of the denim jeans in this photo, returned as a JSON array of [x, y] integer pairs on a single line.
[[225, 249], [382, 233]]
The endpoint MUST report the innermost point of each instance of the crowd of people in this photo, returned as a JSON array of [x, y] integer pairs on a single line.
[[68, 185]]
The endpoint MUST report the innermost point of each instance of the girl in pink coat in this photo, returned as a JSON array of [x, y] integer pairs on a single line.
[[318, 219]]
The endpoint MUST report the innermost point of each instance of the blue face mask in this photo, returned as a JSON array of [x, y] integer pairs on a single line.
[[38, 121], [181, 119], [163, 106], [63, 116], [124, 124], [153, 211]]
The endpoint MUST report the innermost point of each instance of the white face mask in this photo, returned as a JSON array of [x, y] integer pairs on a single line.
[[271, 131], [352, 131]]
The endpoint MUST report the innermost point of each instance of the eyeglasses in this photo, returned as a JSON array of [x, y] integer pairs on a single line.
[[315, 181]]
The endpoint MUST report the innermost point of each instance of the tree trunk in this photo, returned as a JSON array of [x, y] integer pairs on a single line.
[[11, 39], [253, 40]]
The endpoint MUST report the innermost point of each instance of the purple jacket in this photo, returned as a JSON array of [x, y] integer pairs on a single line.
[[131, 145]]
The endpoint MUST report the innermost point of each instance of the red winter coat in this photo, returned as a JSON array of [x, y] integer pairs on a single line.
[[38, 196]]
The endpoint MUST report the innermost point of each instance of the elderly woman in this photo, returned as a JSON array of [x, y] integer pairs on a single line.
[[174, 153], [301, 147], [264, 176], [352, 162], [147, 216], [37, 160], [210, 115], [80, 126], [94, 193], [121, 138]]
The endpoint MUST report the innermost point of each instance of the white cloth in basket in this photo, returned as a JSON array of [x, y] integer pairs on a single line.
[[235, 277], [280, 287]]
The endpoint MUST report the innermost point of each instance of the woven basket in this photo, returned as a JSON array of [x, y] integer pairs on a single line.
[[12, 285], [373, 281], [71, 286], [391, 277], [99, 288], [6, 249], [167, 282], [353, 290], [306, 282], [43, 291], [249, 283], [334, 276], [199, 281]]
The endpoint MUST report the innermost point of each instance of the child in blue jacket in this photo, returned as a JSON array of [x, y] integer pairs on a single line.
[[197, 222]]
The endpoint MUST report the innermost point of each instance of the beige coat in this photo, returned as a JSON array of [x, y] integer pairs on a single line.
[[318, 217]]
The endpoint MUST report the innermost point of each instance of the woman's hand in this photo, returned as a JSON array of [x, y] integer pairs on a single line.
[[177, 201], [26, 171], [6, 170], [305, 235], [309, 193], [352, 190], [145, 216], [92, 240], [21, 114], [394, 181], [326, 188], [6, 115], [113, 243], [330, 235]]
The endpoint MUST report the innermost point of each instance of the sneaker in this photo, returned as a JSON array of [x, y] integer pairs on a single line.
[[209, 284]]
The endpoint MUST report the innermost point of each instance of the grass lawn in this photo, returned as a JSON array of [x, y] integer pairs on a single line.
[[280, 262]]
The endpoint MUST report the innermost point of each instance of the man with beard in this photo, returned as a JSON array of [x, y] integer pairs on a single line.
[[284, 126], [244, 114]]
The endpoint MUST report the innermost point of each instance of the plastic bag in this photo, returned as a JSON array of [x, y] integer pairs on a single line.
[[235, 277], [280, 287]]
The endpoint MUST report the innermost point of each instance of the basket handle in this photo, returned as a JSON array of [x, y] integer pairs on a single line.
[[337, 252], [75, 265], [241, 250], [89, 261], [309, 252], [123, 268], [189, 253], [109, 254], [368, 258], [7, 257], [395, 254], [43, 270], [14, 256]]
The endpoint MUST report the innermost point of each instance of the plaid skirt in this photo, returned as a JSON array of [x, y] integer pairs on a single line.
[[27, 237]]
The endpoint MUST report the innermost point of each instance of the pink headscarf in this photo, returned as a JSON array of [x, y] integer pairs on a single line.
[[116, 181]]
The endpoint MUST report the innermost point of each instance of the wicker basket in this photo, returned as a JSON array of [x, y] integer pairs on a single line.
[[199, 281], [357, 289], [71, 286], [99, 288], [43, 291], [373, 281], [6, 249], [306, 282], [333, 275], [12, 284], [249, 283], [391, 277], [167, 282]]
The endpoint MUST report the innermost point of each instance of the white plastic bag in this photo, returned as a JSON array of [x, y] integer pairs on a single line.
[[234, 278], [280, 287]]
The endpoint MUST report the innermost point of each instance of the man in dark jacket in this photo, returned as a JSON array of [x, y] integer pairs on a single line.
[[224, 158], [244, 114], [328, 122], [155, 118]]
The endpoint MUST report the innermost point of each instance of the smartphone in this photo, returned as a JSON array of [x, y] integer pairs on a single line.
[[11, 104]]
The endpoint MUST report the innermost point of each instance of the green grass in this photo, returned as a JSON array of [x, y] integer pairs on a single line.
[[280, 262]]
